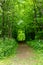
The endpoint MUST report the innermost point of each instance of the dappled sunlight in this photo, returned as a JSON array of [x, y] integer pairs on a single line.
[[21, 32], [25, 55]]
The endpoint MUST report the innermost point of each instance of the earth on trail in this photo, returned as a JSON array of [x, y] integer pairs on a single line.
[[25, 56]]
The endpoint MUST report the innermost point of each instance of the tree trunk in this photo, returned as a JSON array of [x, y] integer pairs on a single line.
[[3, 28]]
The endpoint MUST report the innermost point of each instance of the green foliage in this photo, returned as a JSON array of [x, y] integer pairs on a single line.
[[7, 47], [39, 35], [22, 20], [36, 44], [21, 35], [27, 11]]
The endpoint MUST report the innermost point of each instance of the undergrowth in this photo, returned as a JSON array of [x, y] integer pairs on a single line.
[[7, 47], [36, 44]]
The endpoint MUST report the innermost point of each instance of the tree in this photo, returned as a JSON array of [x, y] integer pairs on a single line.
[[3, 29]]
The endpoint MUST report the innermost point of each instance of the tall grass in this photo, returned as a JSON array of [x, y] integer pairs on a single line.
[[7, 47], [36, 44]]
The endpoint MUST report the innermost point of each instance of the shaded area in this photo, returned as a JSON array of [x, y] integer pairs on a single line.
[[24, 56], [24, 51]]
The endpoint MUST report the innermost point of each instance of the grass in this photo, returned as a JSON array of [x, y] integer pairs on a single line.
[[37, 45], [7, 47]]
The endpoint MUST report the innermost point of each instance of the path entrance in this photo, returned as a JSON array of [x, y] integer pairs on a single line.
[[25, 56], [24, 51]]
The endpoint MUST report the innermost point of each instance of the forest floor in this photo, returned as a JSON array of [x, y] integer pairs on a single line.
[[25, 56]]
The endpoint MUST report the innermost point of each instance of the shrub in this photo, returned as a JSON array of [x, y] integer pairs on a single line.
[[39, 35], [36, 44], [21, 35], [30, 34], [7, 47]]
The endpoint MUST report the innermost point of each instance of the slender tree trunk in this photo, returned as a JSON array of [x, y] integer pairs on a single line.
[[10, 31], [9, 28], [3, 28], [35, 20]]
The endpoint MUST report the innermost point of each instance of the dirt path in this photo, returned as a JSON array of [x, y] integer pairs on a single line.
[[24, 51], [25, 56]]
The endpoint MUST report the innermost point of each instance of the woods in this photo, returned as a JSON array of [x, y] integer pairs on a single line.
[[20, 20], [13, 12]]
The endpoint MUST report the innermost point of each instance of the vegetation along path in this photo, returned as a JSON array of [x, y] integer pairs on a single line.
[[25, 56]]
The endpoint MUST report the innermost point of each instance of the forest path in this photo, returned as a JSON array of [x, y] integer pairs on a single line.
[[25, 56]]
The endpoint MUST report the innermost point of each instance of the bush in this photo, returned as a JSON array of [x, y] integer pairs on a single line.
[[21, 35], [30, 34], [7, 47], [36, 44], [39, 35]]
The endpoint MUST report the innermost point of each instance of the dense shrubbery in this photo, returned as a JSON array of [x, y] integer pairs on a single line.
[[36, 44], [21, 35], [7, 47], [39, 35]]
